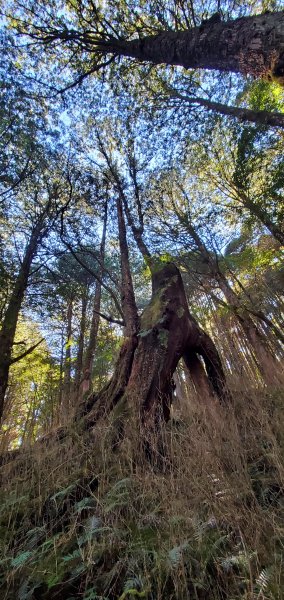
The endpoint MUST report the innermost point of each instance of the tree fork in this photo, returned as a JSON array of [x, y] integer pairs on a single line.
[[141, 388]]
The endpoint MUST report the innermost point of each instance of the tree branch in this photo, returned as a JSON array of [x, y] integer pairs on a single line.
[[28, 351]]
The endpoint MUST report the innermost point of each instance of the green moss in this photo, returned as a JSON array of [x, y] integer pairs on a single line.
[[180, 312], [163, 337], [153, 312]]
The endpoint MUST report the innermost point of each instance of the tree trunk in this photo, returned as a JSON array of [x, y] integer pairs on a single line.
[[140, 391], [259, 117], [129, 307], [259, 344], [249, 45], [61, 368], [262, 216], [261, 350], [79, 361], [66, 401], [8, 330], [139, 394], [91, 348], [197, 377]]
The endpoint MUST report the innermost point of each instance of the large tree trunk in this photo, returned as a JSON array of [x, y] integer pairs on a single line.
[[249, 45], [139, 394], [140, 391]]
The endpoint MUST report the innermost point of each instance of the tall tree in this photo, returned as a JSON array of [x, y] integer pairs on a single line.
[[10, 318], [167, 332], [96, 309], [249, 45], [45, 202]]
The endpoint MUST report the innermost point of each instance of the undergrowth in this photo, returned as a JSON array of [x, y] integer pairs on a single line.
[[78, 521]]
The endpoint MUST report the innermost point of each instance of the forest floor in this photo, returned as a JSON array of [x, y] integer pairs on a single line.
[[80, 521]]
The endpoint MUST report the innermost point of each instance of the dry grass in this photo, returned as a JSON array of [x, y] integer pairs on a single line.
[[80, 521]]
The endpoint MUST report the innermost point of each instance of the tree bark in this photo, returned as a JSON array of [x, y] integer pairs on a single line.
[[259, 117], [66, 401], [91, 348], [80, 352], [262, 216], [127, 293], [139, 394], [248, 45], [8, 330]]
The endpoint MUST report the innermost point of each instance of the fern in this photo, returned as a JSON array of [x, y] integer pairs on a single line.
[[92, 528], [21, 558], [118, 496], [90, 594], [72, 556], [34, 536], [86, 502], [26, 591], [176, 553], [134, 592], [241, 561], [63, 493], [263, 580]]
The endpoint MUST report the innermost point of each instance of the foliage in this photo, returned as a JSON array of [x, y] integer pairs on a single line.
[[80, 517]]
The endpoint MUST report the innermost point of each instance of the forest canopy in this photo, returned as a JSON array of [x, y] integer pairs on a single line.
[[141, 299]]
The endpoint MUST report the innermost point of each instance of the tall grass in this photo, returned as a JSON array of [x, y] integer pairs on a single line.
[[81, 521]]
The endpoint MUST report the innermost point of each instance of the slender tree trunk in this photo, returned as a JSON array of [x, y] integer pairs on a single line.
[[259, 344], [79, 361], [260, 347], [91, 348], [8, 330], [66, 400], [61, 369], [127, 293], [108, 398], [249, 45], [260, 117], [263, 217]]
